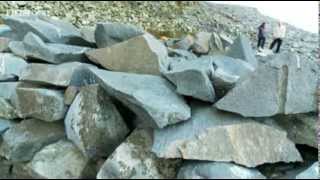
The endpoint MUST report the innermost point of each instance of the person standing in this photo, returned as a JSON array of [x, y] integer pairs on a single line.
[[279, 33], [261, 36]]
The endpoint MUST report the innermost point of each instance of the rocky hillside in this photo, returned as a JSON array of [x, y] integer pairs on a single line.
[[120, 99]]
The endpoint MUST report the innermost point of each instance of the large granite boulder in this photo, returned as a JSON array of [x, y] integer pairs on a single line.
[[192, 78], [311, 173], [61, 160], [94, 124], [142, 54], [241, 49], [7, 89], [41, 103], [56, 75], [301, 128], [23, 140], [6, 110], [151, 98], [195, 139], [11, 64], [278, 87], [133, 159], [109, 33], [217, 170], [32, 47], [50, 30]]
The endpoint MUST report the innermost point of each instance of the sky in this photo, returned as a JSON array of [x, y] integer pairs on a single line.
[[302, 14]]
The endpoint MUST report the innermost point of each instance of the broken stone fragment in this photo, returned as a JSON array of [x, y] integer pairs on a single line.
[[24, 139], [32, 47], [201, 43], [151, 98], [142, 54], [61, 160], [41, 103], [133, 159], [47, 74], [217, 170], [109, 33], [193, 140], [94, 124]]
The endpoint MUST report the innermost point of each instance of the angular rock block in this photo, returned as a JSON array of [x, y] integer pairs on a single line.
[[32, 47], [192, 78], [201, 43], [217, 170], [196, 139], [11, 64], [56, 75], [41, 103], [143, 55], [133, 159], [23, 140], [61, 160], [151, 98], [108, 34], [94, 124], [70, 94], [278, 87], [241, 49], [49, 30], [7, 89]]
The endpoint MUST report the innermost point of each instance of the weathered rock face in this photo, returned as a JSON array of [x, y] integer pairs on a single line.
[[11, 65], [94, 124], [61, 160], [7, 89], [70, 94], [52, 31], [56, 75], [213, 170], [6, 110], [191, 78], [142, 54], [241, 49], [152, 98], [301, 128], [4, 125], [33, 47], [201, 44], [23, 140], [41, 103], [185, 43], [193, 140], [4, 44], [133, 159], [108, 34], [310, 173], [4, 167], [275, 88]]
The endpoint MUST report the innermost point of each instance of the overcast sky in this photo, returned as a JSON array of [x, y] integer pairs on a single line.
[[302, 14]]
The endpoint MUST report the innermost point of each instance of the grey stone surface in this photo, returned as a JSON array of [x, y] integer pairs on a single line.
[[61, 160], [217, 170], [70, 94], [23, 140], [201, 43], [192, 78], [8, 78], [11, 64], [311, 173], [4, 44], [5, 125], [152, 98], [142, 54], [33, 47], [50, 30], [7, 89], [241, 49], [4, 167], [109, 33], [133, 159], [56, 75], [41, 103], [277, 87], [94, 124], [194, 139], [6, 110]]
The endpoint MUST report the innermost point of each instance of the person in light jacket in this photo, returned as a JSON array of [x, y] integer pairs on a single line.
[[261, 36], [279, 33]]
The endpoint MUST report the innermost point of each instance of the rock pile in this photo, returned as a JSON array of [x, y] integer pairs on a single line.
[[127, 105]]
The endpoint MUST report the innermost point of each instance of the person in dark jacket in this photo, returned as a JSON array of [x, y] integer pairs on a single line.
[[261, 36]]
